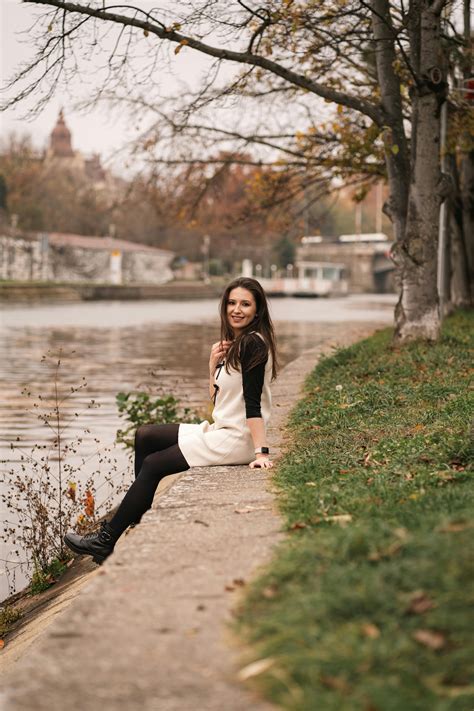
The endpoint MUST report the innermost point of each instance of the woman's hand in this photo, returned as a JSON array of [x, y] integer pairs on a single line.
[[218, 352], [261, 463]]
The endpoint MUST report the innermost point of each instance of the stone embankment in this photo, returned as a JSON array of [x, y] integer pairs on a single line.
[[38, 292], [149, 631]]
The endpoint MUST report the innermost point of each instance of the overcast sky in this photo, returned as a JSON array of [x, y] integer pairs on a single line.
[[94, 132]]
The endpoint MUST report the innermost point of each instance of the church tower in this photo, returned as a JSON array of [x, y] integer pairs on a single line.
[[60, 139]]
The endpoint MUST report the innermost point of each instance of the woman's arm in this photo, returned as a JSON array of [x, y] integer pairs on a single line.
[[252, 385]]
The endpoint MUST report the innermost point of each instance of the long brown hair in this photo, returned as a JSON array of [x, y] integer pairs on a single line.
[[262, 323]]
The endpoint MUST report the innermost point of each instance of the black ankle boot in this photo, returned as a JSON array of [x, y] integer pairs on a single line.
[[99, 544]]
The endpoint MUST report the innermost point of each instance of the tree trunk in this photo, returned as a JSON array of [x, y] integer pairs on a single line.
[[417, 311], [466, 180], [460, 295]]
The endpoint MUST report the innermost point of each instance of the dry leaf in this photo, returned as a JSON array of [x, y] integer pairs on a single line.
[[255, 668], [298, 524], [249, 509], [445, 476], [454, 526], [71, 492], [401, 533], [370, 630], [89, 503], [335, 682], [429, 638], [239, 581], [2, 643], [419, 603], [310, 483], [343, 519], [180, 46]]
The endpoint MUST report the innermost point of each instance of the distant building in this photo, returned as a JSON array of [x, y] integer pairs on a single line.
[[365, 257], [60, 151], [70, 258]]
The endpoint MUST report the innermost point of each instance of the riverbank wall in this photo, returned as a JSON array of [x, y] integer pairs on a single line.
[[31, 292]]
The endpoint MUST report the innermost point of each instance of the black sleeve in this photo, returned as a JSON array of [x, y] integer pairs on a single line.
[[253, 377]]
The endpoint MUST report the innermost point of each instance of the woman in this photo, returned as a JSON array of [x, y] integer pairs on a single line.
[[241, 366]]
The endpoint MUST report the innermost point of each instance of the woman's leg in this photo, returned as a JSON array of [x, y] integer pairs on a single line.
[[153, 438], [139, 497]]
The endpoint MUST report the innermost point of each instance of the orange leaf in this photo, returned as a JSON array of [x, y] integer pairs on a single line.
[[370, 630], [89, 503], [180, 46], [2, 643], [298, 524]]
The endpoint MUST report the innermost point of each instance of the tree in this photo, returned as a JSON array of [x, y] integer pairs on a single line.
[[306, 49]]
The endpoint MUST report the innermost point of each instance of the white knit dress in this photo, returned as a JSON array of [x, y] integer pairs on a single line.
[[228, 439]]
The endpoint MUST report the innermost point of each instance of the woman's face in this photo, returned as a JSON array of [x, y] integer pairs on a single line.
[[241, 309]]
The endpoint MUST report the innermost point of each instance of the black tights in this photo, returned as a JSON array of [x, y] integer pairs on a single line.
[[157, 454]]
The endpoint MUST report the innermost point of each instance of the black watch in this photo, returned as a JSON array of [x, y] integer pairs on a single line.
[[262, 450]]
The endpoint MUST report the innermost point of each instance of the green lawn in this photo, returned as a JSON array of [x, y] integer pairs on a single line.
[[369, 602]]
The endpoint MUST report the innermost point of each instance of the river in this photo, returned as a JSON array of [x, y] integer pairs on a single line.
[[107, 347]]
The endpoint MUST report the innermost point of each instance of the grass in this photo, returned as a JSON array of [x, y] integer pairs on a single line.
[[43, 579], [366, 603], [8, 616]]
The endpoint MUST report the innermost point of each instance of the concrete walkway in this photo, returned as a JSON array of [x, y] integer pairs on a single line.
[[150, 632]]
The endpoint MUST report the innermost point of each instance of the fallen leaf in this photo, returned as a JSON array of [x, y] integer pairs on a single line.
[[445, 476], [339, 518], [249, 509], [454, 526], [298, 524], [203, 523], [370, 630], [2, 643], [310, 483], [429, 638], [255, 668], [335, 682], [239, 581], [229, 588], [419, 603], [388, 552], [401, 533]]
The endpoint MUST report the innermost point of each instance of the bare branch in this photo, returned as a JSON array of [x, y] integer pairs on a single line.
[[151, 26]]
